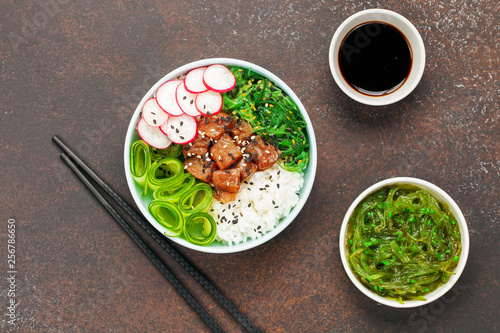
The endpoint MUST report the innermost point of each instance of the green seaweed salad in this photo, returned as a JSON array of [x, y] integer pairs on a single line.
[[273, 115], [402, 243]]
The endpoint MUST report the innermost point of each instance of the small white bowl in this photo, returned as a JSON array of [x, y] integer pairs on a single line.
[[443, 198], [216, 247], [416, 46]]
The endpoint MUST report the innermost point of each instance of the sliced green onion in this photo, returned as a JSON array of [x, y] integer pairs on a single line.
[[196, 199], [168, 215], [140, 161], [164, 171], [172, 191], [200, 228]]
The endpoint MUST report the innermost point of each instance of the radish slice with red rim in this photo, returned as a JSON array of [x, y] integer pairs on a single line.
[[219, 78], [165, 97], [153, 115], [153, 136], [181, 130], [185, 99], [193, 82], [209, 102]]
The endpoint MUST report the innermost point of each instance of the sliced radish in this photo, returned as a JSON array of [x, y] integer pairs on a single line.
[[185, 99], [209, 102], [165, 97], [153, 136], [193, 82], [218, 78], [181, 130], [153, 115]]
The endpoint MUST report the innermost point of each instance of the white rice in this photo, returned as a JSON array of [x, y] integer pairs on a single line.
[[262, 201]]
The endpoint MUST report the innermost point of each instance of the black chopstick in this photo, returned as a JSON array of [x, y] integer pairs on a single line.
[[144, 247], [216, 294]]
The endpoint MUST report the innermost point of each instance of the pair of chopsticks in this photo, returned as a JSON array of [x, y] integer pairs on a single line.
[[83, 172]]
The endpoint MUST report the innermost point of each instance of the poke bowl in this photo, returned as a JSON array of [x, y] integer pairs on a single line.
[[404, 242], [220, 155]]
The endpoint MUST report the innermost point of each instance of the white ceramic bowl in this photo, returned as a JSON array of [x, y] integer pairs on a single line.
[[442, 197], [216, 247], [411, 34]]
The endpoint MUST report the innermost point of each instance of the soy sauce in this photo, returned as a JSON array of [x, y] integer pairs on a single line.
[[375, 58]]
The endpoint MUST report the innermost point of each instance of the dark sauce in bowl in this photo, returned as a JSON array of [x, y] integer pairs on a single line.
[[375, 58]]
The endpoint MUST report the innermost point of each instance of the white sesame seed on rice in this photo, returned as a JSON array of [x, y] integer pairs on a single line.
[[258, 207]]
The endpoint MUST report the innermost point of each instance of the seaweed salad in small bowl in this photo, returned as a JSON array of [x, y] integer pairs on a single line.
[[404, 242]]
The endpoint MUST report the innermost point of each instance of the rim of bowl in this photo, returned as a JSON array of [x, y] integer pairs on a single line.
[[309, 173], [442, 197], [418, 64]]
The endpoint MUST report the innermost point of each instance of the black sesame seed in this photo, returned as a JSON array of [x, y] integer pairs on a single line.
[[250, 204], [154, 120], [184, 97]]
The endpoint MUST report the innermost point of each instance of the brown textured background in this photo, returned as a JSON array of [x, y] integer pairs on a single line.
[[81, 68]]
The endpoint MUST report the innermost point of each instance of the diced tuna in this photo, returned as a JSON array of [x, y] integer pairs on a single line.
[[227, 180], [199, 147], [224, 196], [215, 126], [225, 152], [200, 168], [262, 153], [246, 169], [241, 132]]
